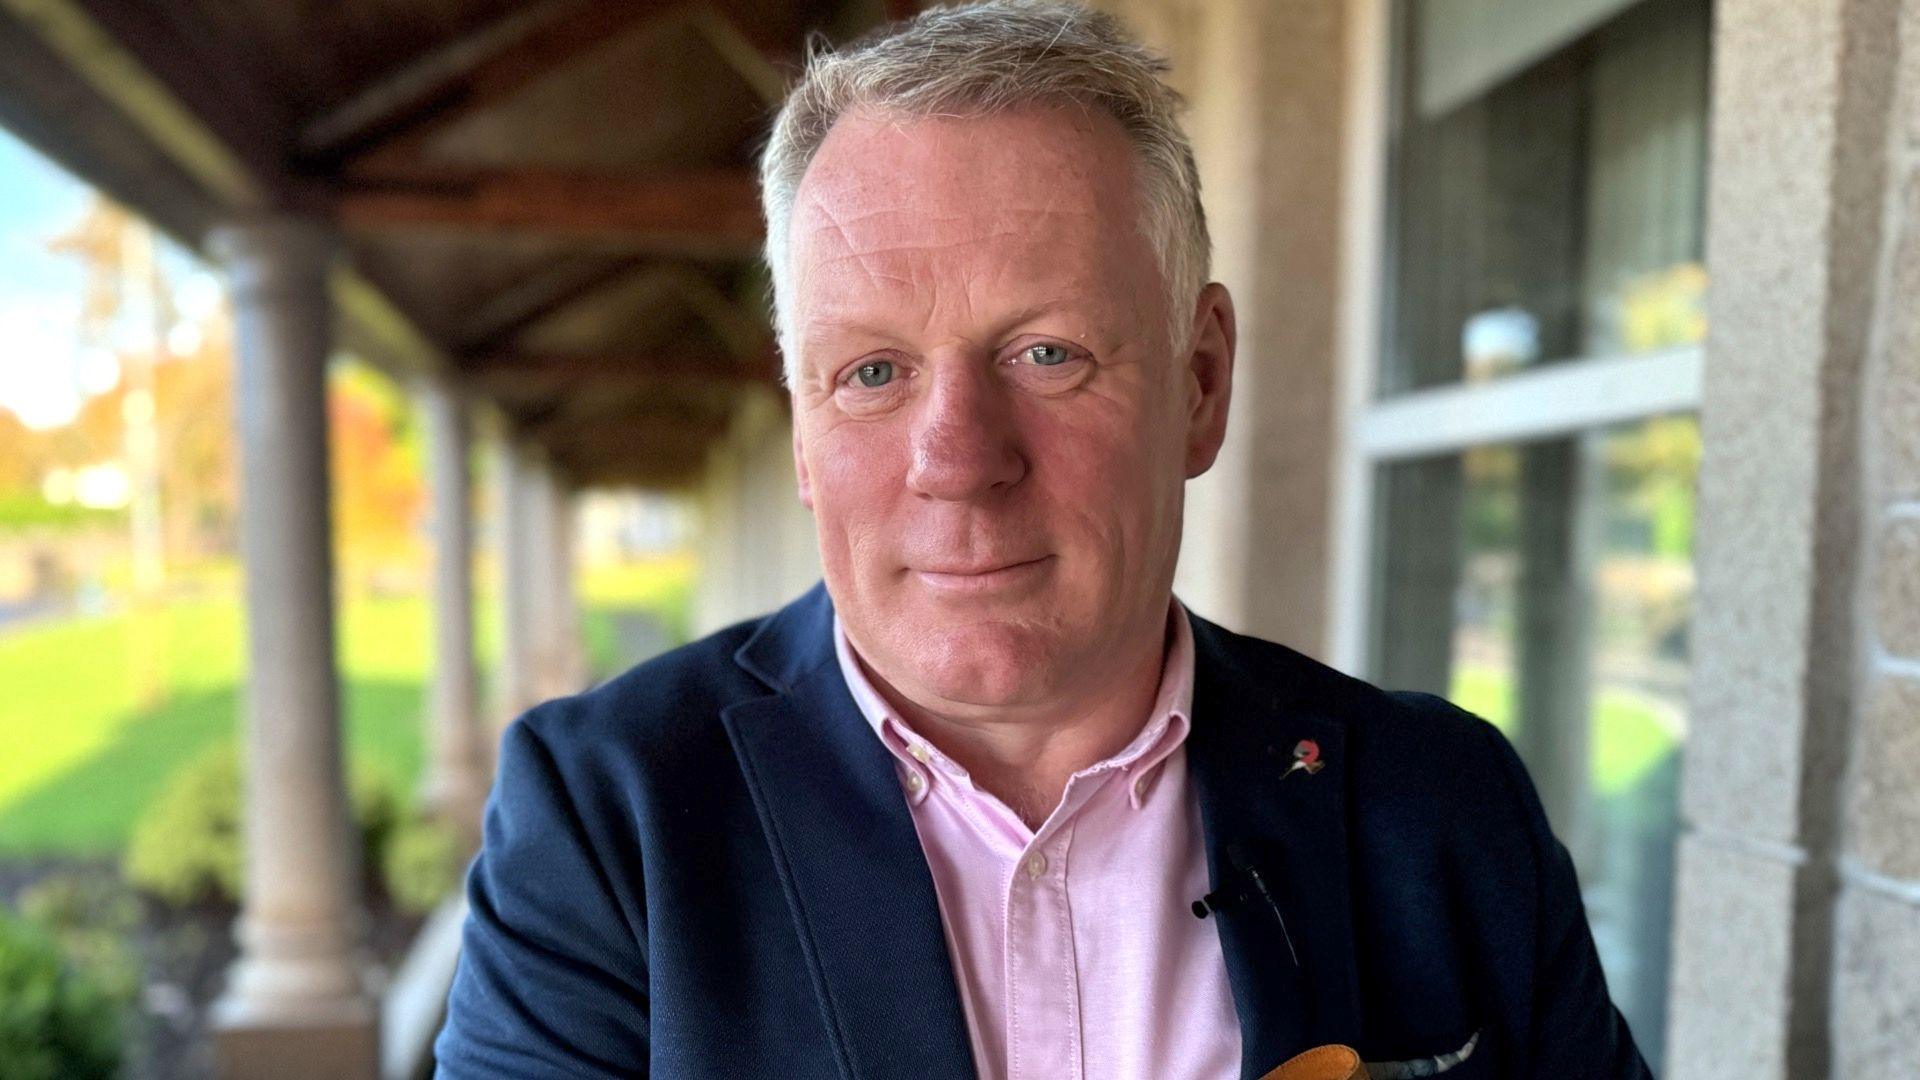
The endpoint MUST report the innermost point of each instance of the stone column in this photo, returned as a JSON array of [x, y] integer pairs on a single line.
[[558, 656], [516, 480], [1876, 995], [1267, 124], [458, 756], [295, 1004], [1259, 525], [567, 643], [1792, 699]]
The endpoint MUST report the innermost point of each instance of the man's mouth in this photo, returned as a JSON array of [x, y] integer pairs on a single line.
[[977, 577]]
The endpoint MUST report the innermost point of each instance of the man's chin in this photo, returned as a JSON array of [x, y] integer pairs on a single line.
[[988, 664]]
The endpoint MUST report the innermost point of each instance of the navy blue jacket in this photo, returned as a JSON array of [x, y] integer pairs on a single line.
[[706, 867]]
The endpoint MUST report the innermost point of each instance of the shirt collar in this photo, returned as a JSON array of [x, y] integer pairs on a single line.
[[1163, 732]]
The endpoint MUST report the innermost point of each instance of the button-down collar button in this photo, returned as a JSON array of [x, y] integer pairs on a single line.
[[1140, 787], [1036, 865], [915, 782], [919, 752]]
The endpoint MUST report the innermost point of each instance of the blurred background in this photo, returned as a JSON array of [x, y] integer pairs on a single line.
[[372, 371]]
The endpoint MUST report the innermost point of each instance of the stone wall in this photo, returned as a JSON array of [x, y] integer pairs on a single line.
[[1265, 90], [1797, 938], [1876, 993]]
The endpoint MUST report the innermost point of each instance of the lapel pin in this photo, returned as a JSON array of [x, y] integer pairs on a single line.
[[1306, 757]]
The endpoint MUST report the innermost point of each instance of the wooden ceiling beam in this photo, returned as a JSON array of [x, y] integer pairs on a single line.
[[160, 110], [513, 375], [393, 118], [102, 53], [667, 473], [645, 447], [383, 106], [711, 212], [596, 436], [526, 302], [759, 60]]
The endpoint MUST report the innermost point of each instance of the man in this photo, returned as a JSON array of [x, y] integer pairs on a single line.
[[953, 813]]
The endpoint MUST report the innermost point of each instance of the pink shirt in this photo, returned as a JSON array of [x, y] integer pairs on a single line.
[[1075, 947]]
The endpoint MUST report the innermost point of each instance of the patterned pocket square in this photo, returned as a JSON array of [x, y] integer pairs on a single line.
[[1428, 1066]]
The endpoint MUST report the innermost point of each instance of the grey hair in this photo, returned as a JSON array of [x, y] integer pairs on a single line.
[[987, 58]]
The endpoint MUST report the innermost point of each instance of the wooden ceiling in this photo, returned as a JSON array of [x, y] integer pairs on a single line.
[[551, 200]]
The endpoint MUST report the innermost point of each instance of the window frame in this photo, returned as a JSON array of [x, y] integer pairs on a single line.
[[1564, 398]]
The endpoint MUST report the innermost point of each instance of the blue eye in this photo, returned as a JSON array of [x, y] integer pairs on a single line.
[[1046, 355], [876, 373]]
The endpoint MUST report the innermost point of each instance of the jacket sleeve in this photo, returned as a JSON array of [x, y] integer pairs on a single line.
[[1576, 1033], [552, 977]]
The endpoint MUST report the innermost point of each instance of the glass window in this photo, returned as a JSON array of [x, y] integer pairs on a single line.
[[1547, 180], [1547, 586], [1545, 207]]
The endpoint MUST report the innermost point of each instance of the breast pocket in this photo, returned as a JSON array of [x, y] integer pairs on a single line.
[[1471, 1059]]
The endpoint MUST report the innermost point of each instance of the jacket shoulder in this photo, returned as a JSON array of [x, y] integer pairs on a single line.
[[1404, 748], [1420, 723]]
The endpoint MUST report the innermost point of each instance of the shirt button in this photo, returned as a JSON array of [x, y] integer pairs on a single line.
[[1139, 787], [915, 783], [919, 752], [1036, 865]]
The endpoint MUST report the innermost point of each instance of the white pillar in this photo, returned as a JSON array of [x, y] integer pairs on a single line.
[[458, 752], [295, 1004], [559, 666], [516, 481], [567, 646]]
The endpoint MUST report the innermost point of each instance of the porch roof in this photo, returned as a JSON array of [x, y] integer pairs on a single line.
[[551, 202]]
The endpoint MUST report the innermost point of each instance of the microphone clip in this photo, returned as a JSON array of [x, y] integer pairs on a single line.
[[1252, 882]]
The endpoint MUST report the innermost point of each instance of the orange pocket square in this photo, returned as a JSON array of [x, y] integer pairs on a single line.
[[1321, 1063]]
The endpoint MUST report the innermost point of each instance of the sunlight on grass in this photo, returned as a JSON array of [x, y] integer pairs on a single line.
[[71, 684], [84, 753], [662, 585], [1629, 736]]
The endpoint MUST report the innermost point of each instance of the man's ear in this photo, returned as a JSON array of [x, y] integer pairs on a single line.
[[805, 484], [1209, 377]]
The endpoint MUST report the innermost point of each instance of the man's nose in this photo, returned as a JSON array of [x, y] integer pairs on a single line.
[[964, 441]]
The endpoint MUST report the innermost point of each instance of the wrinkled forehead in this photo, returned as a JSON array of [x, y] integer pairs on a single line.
[[1046, 194]]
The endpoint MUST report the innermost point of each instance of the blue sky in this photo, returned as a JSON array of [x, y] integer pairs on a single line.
[[42, 372], [45, 373]]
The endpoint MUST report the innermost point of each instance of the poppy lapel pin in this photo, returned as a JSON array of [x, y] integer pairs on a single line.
[[1306, 758]]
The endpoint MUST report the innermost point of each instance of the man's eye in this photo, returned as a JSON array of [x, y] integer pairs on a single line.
[[876, 373], [1046, 355]]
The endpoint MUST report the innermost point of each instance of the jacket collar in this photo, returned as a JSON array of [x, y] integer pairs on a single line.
[[1254, 703], [863, 899], [849, 859], [791, 642]]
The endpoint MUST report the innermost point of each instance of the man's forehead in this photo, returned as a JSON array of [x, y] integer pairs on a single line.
[[876, 177]]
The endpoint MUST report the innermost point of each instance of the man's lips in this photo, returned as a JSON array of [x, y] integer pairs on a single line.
[[962, 577]]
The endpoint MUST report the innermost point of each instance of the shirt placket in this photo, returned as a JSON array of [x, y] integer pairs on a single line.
[[1043, 982]]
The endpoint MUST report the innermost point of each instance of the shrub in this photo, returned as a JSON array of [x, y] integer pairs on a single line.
[[187, 847], [380, 805], [422, 864], [56, 1023], [93, 920]]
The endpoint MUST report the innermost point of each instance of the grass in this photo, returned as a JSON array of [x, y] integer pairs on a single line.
[[1629, 738], [97, 712]]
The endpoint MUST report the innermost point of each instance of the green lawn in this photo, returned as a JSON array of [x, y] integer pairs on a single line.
[[81, 753], [1628, 737]]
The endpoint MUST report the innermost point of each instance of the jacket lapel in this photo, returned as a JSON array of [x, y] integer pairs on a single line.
[[1249, 714], [848, 857]]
